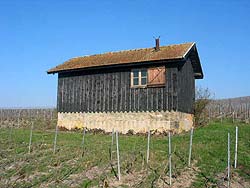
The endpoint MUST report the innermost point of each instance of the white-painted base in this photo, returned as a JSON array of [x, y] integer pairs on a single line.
[[139, 122]]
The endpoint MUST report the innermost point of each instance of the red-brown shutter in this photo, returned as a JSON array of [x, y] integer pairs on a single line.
[[156, 76]]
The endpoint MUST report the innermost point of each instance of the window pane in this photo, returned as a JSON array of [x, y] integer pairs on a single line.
[[136, 73], [143, 73], [144, 81], [136, 81]]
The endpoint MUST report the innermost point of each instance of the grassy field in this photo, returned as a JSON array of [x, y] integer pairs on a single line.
[[75, 166]]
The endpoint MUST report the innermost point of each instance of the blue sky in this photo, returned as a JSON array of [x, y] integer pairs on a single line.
[[37, 35]]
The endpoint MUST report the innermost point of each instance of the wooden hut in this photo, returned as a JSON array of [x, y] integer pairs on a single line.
[[141, 89]]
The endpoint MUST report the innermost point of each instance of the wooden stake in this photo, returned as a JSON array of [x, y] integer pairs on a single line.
[[233, 116], [170, 158], [118, 157], [10, 133], [50, 112], [190, 147], [37, 115], [31, 132], [18, 119], [236, 147], [55, 140], [148, 145], [1, 117], [221, 117], [245, 116], [83, 135], [228, 160], [209, 115]]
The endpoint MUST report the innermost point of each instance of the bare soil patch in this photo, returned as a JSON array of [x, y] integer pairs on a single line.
[[76, 179], [184, 179], [235, 182], [131, 180]]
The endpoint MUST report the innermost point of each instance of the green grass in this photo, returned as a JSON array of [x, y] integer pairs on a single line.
[[67, 168]]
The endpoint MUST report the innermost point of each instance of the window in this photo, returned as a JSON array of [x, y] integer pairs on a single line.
[[156, 76], [151, 77], [139, 78]]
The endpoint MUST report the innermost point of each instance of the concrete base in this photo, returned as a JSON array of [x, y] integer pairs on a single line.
[[139, 122]]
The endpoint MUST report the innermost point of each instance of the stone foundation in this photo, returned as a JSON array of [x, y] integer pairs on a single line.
[[139, 122]]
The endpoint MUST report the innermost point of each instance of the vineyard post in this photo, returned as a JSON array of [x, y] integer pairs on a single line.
[[245, 113], [190, 146], [218, 108], [236, 147], [29, 114], [51, 114], [170, 162], [221, 117], [209, 114], [248, 109], [233, 116], [111, 146], [228, 161], [18, 118], [44, 115], [10, 133], [1, 116], [83, 137], [148, 145], [118, 157], [31, 131], [37, 115], [55, 140], [7, 117]]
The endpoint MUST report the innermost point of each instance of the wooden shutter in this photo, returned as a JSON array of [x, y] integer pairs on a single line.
[[156, 76]]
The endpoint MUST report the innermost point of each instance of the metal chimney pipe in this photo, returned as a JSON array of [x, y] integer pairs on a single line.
[[157, 44]]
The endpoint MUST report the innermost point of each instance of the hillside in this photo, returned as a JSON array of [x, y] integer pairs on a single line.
[[235, 101]]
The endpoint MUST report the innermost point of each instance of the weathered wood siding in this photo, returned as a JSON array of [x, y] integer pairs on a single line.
[[186, 88], [109, 90]]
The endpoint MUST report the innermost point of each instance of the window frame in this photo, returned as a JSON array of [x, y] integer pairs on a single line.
[[140, 85], [140, 77]]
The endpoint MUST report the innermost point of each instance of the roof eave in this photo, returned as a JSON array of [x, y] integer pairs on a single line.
[[199, 74], [51, 71]]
